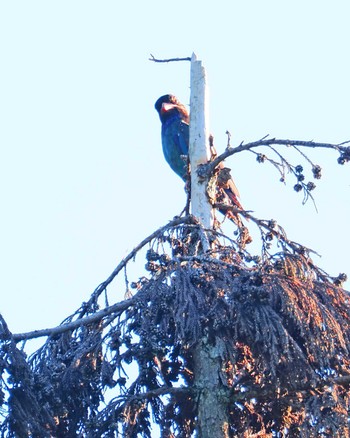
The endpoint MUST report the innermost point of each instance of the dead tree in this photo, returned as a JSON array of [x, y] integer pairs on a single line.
[[213, 339]]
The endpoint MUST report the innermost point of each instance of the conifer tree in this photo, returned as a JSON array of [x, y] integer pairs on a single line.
[[212, 340]]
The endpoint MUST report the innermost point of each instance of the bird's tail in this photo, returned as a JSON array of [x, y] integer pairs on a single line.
[[230, 209]]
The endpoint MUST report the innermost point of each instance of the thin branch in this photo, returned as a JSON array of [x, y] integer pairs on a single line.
[[115, 308], [273, 141], [304, 155], [232, 392], [118, 307], [175, 222], [158, 392], [264, 224], [152, 58], [268, 394]]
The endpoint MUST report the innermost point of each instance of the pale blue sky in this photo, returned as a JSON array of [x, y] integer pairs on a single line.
[[83, 178]]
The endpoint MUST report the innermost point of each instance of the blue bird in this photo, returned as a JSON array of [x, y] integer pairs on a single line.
[[175, 141], [175, 133]]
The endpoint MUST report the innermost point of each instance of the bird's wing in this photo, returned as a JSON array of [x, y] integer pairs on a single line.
[[175, 138], [183, 136]]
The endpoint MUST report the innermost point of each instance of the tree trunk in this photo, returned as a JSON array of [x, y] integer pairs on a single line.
[[212, 394], [199, 151], [212, 404]]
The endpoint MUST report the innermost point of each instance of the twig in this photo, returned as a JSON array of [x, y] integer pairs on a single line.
[[157, 392], [152, 58]]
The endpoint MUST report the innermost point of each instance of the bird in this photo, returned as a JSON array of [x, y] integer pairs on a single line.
[[175, 133], [175, 120]]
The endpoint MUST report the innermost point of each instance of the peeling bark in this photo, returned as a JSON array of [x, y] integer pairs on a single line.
[[212, 398]]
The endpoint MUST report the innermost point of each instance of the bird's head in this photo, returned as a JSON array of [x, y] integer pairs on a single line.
[[168, 105]]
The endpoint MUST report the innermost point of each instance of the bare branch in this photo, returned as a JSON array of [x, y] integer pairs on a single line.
[[233, 393], [260, 394], [175, 222], [261, 223], [115, 308], [273, 141], [152, 58], [158, 392]]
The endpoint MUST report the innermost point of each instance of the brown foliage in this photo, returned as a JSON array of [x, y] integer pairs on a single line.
[[281, 327]]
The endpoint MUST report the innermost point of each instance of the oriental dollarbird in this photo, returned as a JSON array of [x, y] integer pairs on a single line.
[[175, 141]]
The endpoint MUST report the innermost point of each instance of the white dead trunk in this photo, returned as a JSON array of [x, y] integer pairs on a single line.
[[212, 405], [199, 142]]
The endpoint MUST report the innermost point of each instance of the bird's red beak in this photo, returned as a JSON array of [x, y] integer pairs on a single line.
[[167, 107]]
